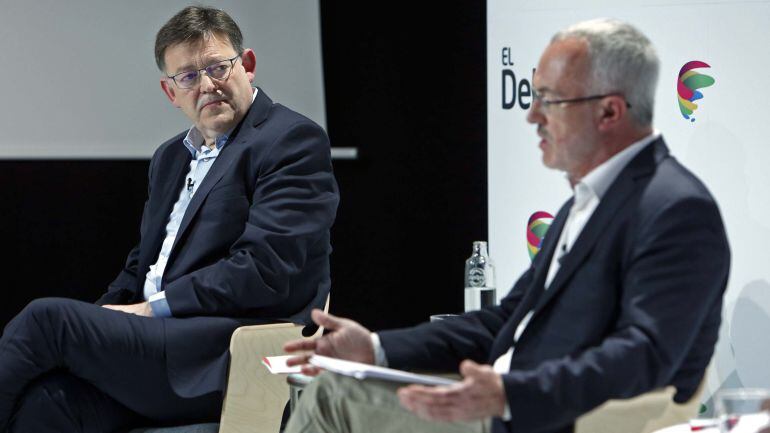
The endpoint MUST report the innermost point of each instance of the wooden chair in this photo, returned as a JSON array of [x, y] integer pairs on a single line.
[[642, 414], [255, 398]]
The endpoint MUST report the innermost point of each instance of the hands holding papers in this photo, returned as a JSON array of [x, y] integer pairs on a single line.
[[479, 395], [346, 340], [366, 371], [277, 364]]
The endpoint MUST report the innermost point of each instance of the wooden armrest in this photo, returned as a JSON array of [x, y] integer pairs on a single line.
[[646, 413], [255, 398]]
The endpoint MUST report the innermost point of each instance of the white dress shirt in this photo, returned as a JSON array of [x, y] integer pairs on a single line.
[[588, 193], [203, 158]]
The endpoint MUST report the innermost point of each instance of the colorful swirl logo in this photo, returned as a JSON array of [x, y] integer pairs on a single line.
[[537, 227], [687, 86]]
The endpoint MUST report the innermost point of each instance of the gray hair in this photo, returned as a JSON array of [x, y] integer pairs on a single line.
[[194, 24], [622, 60]]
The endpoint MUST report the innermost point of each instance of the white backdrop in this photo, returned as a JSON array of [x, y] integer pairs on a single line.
[[726, 146], [79, 79]]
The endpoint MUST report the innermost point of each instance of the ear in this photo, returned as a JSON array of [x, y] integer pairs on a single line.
[[249, 61], [612, 110], [169, 90]]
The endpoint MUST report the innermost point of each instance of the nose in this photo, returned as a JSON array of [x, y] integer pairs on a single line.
[[206, 83], [535, 114]]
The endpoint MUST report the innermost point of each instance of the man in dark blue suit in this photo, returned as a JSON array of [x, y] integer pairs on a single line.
[[235, 231], [625, 296]]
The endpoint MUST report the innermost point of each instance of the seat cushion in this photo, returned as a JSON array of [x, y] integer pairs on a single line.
[[197, 428]]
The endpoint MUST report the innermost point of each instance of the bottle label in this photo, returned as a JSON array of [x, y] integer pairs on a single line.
[[479, 297], [476, 277]]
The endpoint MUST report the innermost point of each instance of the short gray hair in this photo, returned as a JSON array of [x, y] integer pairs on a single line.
[[194, 24], [622, 60]]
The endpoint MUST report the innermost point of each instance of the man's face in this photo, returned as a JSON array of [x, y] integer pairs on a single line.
[[569, 138], [214, 106]]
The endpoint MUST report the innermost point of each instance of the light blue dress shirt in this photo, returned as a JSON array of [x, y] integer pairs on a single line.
[[202, 159]]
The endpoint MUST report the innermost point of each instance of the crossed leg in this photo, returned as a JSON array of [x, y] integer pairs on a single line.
[[72, 366]]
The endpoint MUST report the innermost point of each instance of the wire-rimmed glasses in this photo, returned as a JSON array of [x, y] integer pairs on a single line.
[[219, 71], [547, 103]]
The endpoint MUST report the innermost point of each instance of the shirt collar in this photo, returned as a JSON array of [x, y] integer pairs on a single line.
[[194, 139], [598, 181]]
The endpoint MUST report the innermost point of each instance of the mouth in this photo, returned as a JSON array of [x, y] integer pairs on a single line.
[[211, 104]]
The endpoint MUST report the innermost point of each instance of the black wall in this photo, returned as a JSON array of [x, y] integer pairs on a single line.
[[406, 86], [66, 227]]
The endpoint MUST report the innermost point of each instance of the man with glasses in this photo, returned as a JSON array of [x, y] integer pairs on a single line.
[[235, 231], [624, 297]]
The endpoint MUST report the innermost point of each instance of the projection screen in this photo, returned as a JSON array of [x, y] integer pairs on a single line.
[[79, 79]]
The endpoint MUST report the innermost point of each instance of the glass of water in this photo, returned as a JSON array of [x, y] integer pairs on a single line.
[[744, 410], [439, 317]]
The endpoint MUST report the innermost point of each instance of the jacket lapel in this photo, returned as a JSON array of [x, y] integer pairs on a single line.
[[618, 193], [167, 193], [548, 251], [227, 156], [504, 338]]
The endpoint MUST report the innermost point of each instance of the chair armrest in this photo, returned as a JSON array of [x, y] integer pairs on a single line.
[[646, 413], [255, 398]]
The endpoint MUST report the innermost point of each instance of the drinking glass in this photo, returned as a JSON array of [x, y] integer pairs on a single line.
[[745, 410], [437, 317]]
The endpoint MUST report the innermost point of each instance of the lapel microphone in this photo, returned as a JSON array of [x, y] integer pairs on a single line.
[[190, 184], [562, 253]]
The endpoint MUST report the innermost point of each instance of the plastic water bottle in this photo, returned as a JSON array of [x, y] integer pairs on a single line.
[[479, 279]]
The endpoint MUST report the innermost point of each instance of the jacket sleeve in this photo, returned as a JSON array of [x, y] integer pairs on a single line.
[[123, 289], [292, 209], [441, 346]]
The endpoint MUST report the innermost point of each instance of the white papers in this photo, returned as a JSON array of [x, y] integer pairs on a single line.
[[702, 425], [366, 371], [277, 364], [752, 423], [748, 423]]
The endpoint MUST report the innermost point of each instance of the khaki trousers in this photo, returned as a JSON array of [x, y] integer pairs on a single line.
[[338, 404]]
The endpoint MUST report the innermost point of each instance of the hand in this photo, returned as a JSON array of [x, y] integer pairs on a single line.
[[140, 309], [479, 395], [346, 340]]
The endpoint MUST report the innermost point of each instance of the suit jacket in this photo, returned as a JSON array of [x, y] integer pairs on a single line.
[[253, 245], [635, 306]]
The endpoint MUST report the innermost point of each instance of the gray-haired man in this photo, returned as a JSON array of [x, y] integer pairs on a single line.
[[624, 297]]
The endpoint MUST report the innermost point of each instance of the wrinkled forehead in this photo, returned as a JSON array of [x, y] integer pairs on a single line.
[[197, 53], [564, 67]]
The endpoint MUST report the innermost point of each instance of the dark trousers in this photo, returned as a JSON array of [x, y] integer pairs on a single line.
[[70, 366]]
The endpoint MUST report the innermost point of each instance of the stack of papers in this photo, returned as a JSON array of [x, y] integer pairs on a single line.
[[749, 423], [277, 364], [752, 423], [366, 371]]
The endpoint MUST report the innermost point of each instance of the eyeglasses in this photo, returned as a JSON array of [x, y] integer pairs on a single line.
[[546, 103], [219, 71]]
